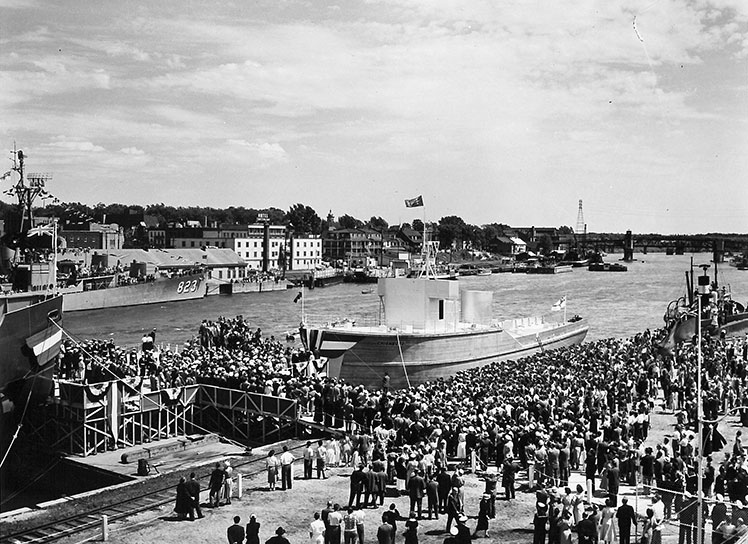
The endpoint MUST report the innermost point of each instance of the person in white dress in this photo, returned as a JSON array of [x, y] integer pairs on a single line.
[[462, 445], [608, 528], [317, 530], [228, 483]]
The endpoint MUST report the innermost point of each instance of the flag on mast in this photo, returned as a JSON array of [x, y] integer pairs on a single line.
[[560, 304], [416, 202]]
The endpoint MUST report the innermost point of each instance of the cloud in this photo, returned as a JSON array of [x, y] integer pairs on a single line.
[[132, 151], [265, 151], [75, 145]]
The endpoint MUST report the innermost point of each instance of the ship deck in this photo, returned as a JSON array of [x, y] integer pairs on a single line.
[[526, 326]]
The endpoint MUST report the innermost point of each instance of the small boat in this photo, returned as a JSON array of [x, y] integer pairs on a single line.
[[740, 261], [367, 291], [607, 267], [468, 270], [324, 278], [549, 269]]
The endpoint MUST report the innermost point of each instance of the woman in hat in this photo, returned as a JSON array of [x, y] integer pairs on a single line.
[[182, 506], [253, 530], [484, 509], [411, 529]]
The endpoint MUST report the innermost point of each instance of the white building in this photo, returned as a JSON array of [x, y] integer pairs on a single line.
[[250, 247], [306, 252]]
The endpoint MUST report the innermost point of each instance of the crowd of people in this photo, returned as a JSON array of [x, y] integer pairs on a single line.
[[583, 408], [226, 352]]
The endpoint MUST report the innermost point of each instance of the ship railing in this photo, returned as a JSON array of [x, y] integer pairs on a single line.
[[527, 322], [342, 322]]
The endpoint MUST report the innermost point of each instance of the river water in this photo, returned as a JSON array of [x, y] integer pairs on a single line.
[[615, 304]]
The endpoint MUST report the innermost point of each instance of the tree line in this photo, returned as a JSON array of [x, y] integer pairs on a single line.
[[301, 218]]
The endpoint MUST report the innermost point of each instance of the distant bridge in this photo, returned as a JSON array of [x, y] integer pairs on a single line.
[[671, 244]]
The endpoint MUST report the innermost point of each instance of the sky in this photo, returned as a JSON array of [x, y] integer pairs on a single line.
[[505, 111]]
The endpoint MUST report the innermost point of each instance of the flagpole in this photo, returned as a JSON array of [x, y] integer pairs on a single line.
[[700, 430], [303, 296]]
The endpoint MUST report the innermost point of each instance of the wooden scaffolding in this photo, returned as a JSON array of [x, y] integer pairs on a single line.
[[249, 418], [87, 419]]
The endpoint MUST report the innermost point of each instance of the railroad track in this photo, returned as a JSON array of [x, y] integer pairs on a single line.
[[90, 520]]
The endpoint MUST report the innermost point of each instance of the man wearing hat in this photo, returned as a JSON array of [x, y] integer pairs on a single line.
[[453, 507], [463, 532], [508, 476], [587, 529], [416, 491], [278, 538], [484, 512]]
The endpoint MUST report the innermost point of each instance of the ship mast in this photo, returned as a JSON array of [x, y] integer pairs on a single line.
[[26, 190], [25, 193]]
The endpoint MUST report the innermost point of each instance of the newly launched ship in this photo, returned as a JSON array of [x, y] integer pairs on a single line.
[[429, 330]]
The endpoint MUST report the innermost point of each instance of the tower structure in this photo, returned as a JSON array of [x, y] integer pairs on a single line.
[[581, 228]]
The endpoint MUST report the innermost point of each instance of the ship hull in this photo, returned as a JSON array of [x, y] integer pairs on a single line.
[[154, 292], [18, 325], [364, 358]]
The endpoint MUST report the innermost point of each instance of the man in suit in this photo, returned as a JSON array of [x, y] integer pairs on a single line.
[[385, 533], [416, 491], [235, 533], [193, 488], [358, 484], [508, 476], [217, 478], [614, 483], [453, 507], [444, 481], [626, 518], [370, 498], [432, 497]]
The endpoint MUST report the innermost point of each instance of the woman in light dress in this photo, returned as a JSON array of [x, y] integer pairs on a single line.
[[462, 444], [228, 483], [317, 530], [578, 504], [346, 448], [333, 453], [608, 532], [272, 464]]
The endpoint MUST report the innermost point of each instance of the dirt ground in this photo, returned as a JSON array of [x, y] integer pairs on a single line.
[[293, 509]]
